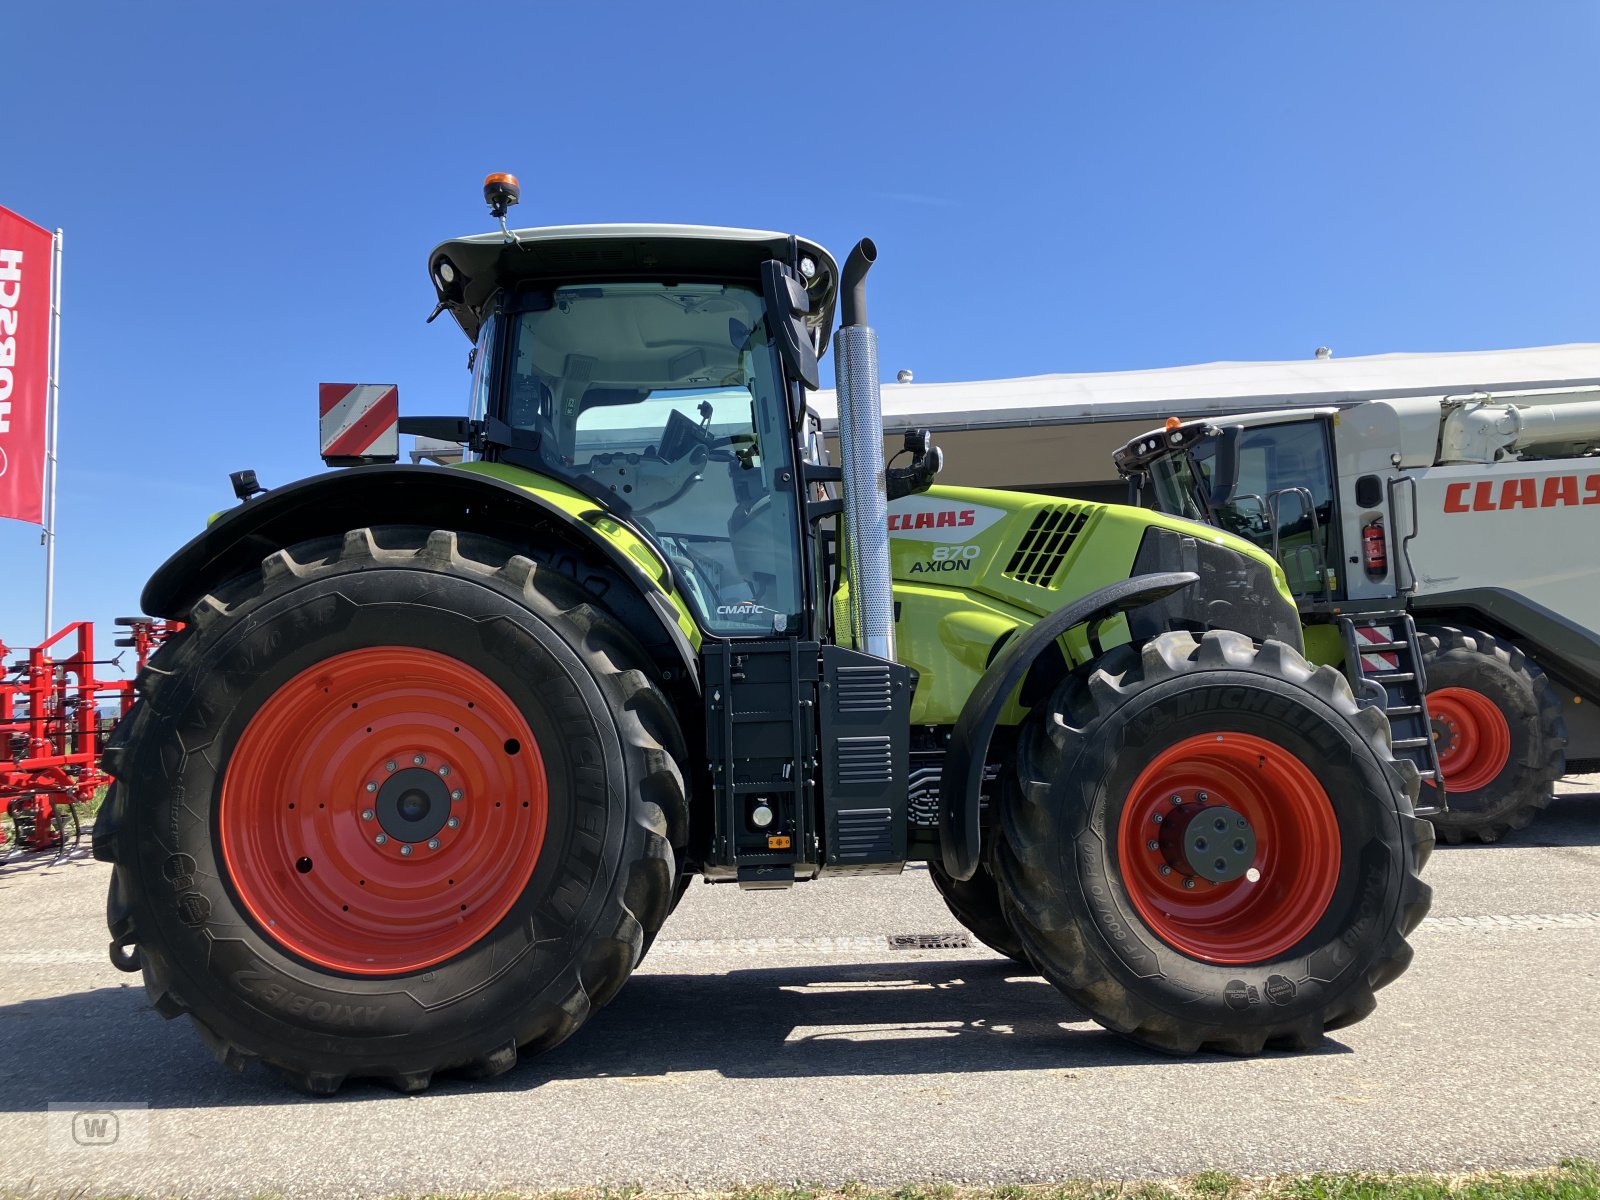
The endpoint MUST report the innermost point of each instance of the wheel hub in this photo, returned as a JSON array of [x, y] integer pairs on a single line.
[[1249, 890], [413, 805], [1471, 736], [383, 810], [1202, 838]]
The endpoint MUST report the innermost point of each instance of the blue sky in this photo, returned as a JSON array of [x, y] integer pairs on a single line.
[[249, 193]]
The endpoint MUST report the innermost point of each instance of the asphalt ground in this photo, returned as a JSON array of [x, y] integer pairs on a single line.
[[780, 1037]]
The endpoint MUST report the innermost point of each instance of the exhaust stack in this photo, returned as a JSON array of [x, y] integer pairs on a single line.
[[866, 504]]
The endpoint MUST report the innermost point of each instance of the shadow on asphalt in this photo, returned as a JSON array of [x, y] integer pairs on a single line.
[[17, 864], [908, 1018], [1573, 819]]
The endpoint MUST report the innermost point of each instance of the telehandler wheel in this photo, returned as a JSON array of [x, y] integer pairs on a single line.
[[975, 903], [1498, 730], [396, 804], [1212, 846]]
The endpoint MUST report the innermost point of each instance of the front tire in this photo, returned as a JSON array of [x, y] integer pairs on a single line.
[[300, 875], [1498, 730], [1286, 919], [976, 904]]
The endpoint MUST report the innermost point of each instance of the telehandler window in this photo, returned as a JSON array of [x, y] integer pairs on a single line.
[[1281, 497], [671, 398]]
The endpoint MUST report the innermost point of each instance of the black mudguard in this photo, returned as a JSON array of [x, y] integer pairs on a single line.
[[436, 497], [960, 836]]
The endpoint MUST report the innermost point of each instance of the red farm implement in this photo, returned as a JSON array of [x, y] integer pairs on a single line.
[[55, 714]]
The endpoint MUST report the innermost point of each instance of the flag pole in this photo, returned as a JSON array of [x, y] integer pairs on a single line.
[[55, 428]]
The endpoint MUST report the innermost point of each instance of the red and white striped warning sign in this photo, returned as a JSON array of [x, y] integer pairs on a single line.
[[1377, 659], [360, 421]]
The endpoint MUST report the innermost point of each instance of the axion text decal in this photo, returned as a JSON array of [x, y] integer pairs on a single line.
[[947, 558], [917, 518], [1489, 495]]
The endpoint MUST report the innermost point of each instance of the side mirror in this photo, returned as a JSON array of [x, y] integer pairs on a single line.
[[787, 302], [1225, 478]]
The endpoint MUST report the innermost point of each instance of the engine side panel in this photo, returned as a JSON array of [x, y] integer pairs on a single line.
[[973, 567]]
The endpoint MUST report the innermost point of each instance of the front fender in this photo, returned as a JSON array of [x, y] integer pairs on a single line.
[[436, 497], [960, 835]]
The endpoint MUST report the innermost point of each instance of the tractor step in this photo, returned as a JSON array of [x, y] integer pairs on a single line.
[[1383, 661]]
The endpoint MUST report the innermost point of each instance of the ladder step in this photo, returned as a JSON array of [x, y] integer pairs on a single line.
[[1394, 676], [1411, 743], [1379, 647]]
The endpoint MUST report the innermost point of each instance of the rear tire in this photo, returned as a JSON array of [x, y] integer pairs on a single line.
[[1498, 729], [975, 903], [1338, 847], [256, 950]]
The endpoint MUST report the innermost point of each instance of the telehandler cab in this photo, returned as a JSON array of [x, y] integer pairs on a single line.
[[439, 748]]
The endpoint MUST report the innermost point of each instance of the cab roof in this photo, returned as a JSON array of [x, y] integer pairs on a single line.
[[483, 263], [1138, 452]]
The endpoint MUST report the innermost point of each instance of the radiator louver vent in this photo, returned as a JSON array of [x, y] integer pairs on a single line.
[[1044, 547], [864, 760], [864, 689], [863, 834]]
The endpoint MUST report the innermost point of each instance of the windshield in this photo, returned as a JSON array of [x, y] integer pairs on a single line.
[[670, 397], [1172, 478]]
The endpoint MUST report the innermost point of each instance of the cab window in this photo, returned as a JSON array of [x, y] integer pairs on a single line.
[[670, 397]]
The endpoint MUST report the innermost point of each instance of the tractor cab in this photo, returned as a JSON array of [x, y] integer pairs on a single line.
[[648, 368], [1267, 477]]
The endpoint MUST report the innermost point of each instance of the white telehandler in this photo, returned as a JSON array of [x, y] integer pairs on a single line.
[[1445, 551]]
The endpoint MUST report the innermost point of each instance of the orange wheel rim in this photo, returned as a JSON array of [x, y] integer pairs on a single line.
[[383, 810], [1471, 737], [1229, 848]]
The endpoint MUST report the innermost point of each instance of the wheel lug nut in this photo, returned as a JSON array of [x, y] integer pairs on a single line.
[[1166, 870], [418, 759], [381, 839], [1177, 801], [406, 849], [1188, 882], [455, 794], [453, 822], [371, 787], [433, 843], [389, 766], [445, 771], [1152, 844], [366, 814], [1201, 797], [1156, 817]]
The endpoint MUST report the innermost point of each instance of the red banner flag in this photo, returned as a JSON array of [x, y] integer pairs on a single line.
[[26, 254]]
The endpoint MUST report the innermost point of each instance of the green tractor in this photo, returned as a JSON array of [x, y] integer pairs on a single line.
[[439, 748]]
